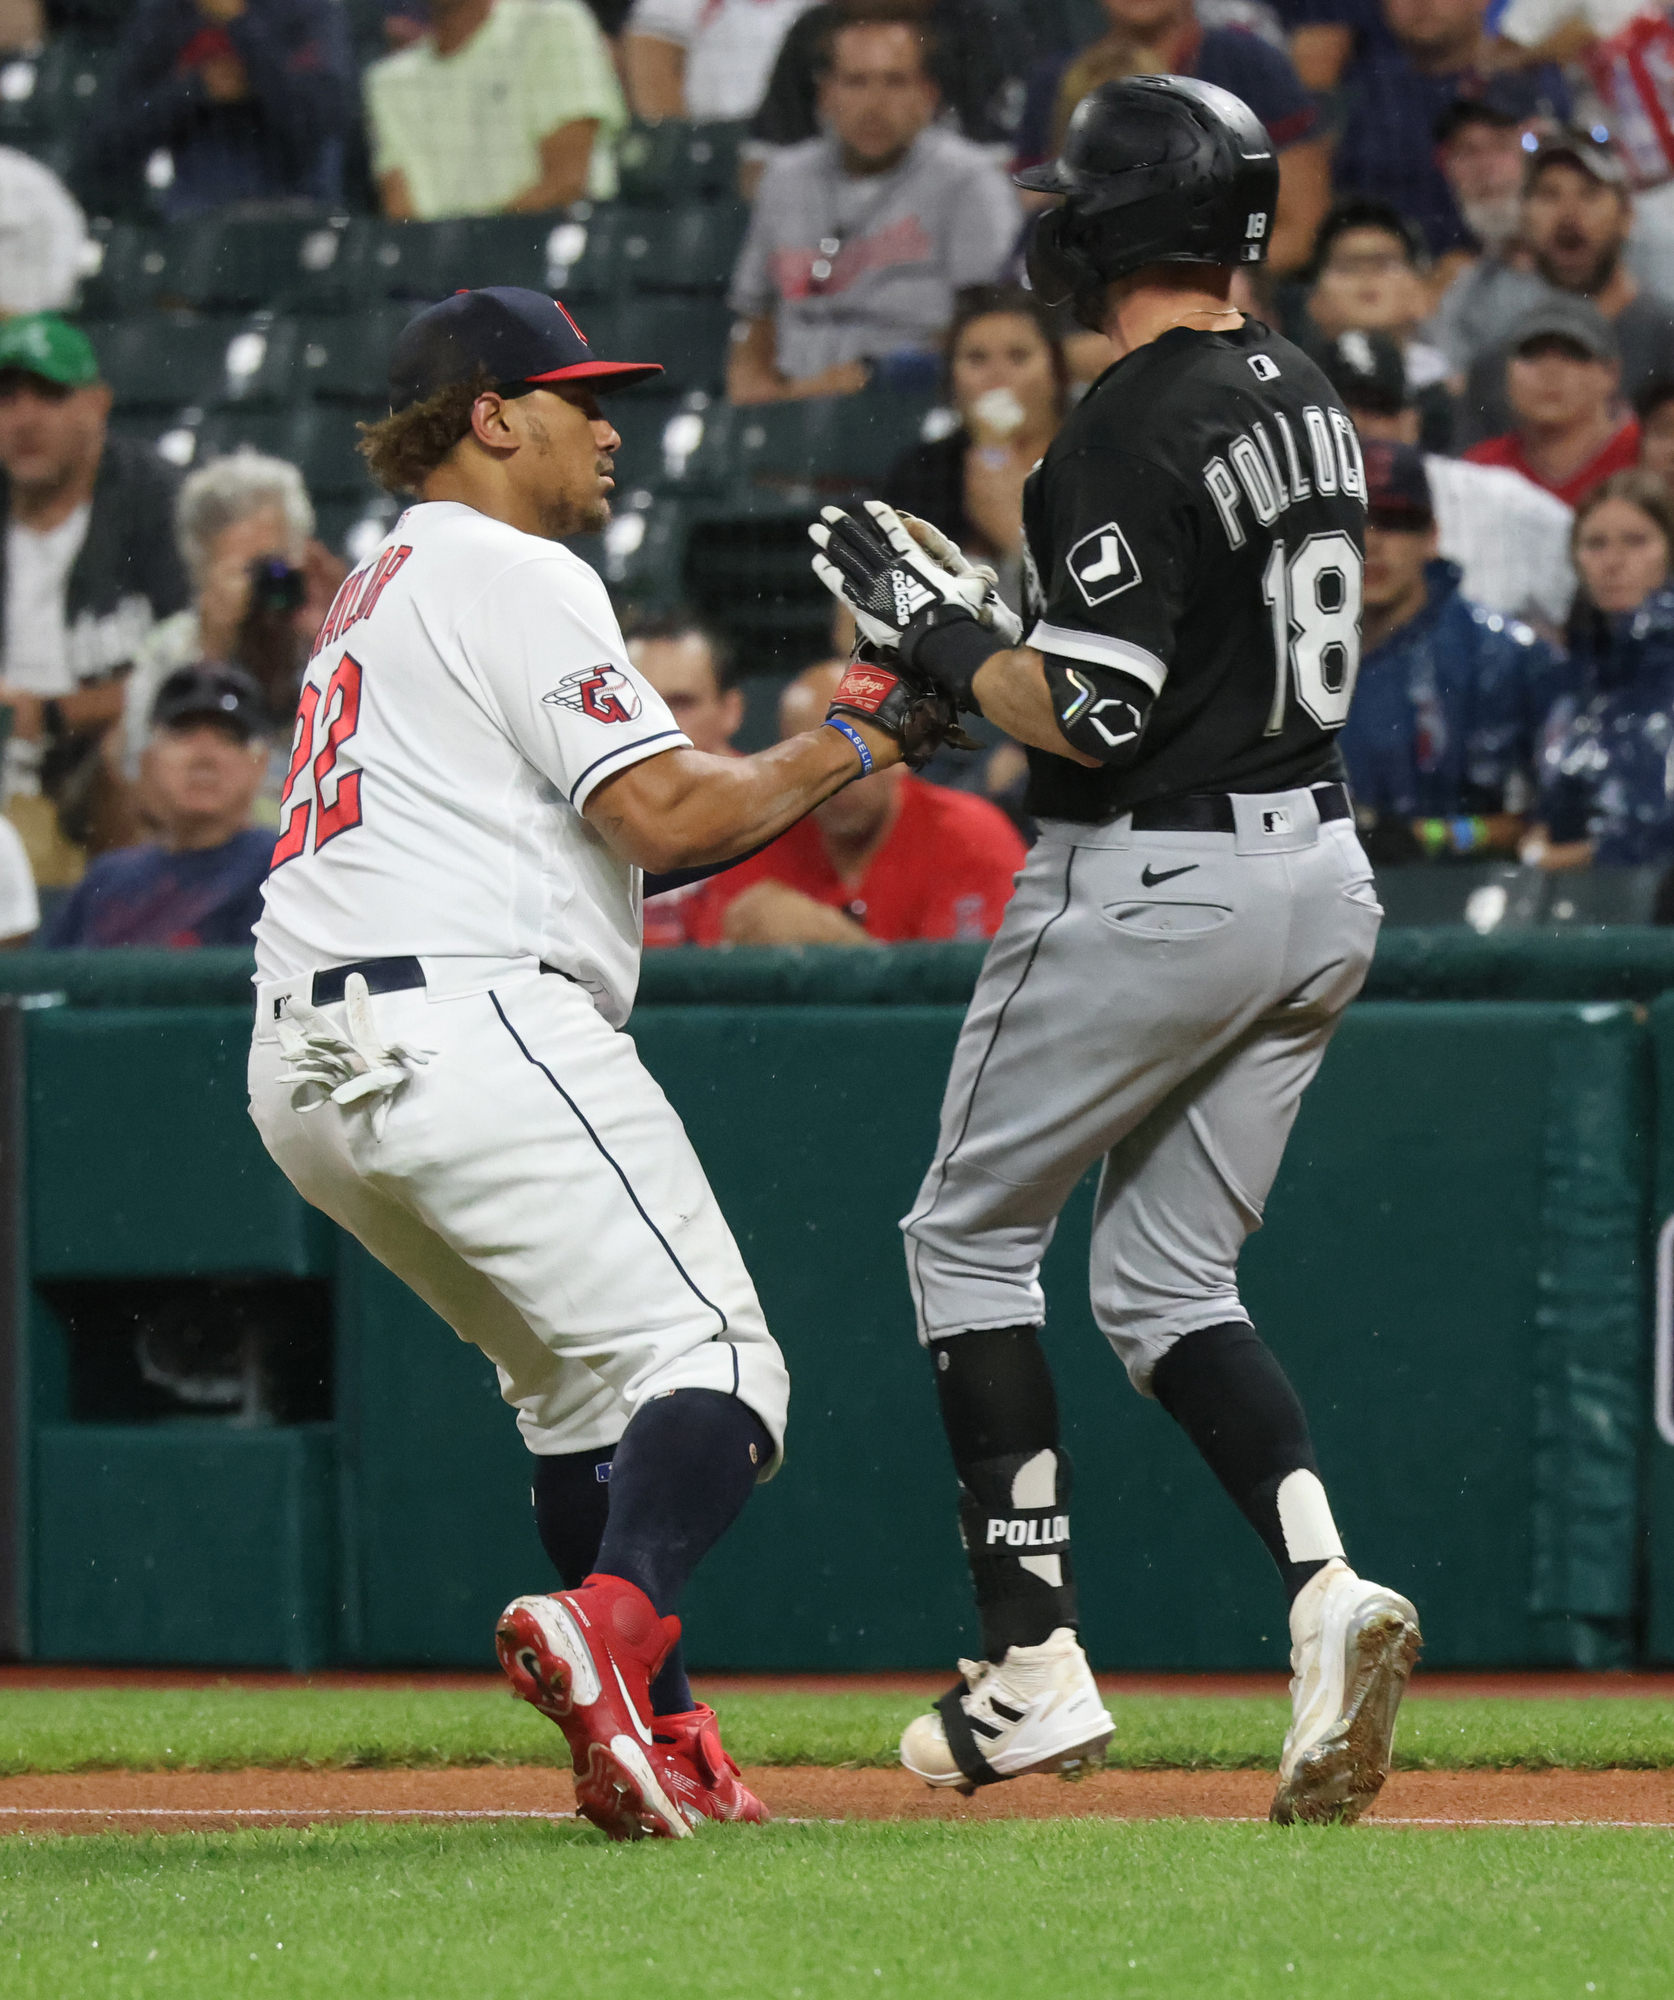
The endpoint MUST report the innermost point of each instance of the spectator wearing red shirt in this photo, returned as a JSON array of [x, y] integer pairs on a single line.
[[690, 666], [889, 858], [1561, 379]]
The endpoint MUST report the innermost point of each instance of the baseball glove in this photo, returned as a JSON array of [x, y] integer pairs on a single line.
[[903, 704]]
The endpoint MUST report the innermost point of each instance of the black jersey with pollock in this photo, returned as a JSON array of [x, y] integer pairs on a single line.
[[1198, 525]]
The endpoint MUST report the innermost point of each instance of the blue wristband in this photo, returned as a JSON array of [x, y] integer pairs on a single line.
[[855, 737]]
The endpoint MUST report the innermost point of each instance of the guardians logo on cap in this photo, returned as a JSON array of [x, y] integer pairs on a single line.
[[520, 339], [46, 345]]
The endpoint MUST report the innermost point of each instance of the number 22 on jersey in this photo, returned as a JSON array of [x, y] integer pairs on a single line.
[[1314, 596], [320, 801]]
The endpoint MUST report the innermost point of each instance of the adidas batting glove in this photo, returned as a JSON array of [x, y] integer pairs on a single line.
[[903, 603]]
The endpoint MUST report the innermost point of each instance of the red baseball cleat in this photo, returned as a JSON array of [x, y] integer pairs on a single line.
[[585, 1659], [696, 1771]]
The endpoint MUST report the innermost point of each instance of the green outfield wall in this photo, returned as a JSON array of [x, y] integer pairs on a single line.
[[1457, 1268]]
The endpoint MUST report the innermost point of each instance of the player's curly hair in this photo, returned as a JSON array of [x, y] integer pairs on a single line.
[[403, 449]]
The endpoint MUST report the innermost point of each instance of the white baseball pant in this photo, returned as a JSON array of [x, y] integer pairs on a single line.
[[516, 1166]]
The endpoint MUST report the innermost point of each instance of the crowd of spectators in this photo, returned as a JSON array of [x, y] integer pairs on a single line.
[[1474, 238]]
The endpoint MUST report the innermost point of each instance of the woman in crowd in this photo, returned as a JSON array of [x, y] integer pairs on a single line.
[[1605, 767], [1007, 382], [1008, 386], [261, 585]]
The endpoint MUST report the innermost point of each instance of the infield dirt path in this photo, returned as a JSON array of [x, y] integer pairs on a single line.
[[179, 1801]]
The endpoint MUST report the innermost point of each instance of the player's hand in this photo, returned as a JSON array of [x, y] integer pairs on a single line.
[[911, 710], [897, 595], [978, 584]]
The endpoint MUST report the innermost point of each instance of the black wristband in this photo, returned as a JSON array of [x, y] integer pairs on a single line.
[[952, 654]]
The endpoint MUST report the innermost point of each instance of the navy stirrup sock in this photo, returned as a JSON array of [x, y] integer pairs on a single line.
[[679, 1480], [571, 1494]]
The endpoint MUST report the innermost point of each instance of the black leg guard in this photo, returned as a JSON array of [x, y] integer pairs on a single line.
[[1225, 1389], [1001, 1415]]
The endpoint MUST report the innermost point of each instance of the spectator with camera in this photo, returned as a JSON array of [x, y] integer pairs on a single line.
[[260, 587], [199, 882], [1443, 733], [249, 101], [87, 567], [507, 107], [1604, 793], [1509, 537], [861, 238], [888, 858]]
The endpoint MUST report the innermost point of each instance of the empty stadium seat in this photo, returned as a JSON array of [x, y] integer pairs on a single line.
[[641, 421], [821, 445], [223, 263], [162, 361], [132, 271], [319, 438], [429, 260], [676, 160], [1604, 896], [275, 359], [1487, 895], [44, 98], [686, 249], [688, 336]]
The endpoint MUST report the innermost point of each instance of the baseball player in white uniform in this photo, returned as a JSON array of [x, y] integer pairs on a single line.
[[448, 953]]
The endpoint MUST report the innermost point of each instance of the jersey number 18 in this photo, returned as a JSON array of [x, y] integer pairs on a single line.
[[1314, 597]]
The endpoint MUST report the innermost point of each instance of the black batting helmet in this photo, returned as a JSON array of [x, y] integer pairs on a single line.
[[1154, 170]]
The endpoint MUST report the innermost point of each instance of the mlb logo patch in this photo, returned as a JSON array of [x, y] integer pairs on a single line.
[[1103, 565], [1277, 820]]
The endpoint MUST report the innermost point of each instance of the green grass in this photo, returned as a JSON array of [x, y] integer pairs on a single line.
[[1004, 1911], [226, 1727]]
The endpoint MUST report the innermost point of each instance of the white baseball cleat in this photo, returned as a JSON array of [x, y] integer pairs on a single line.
[[1038, 1710], [1353, 1646]]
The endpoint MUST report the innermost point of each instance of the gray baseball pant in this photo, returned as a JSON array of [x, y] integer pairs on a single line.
[[1158, 1001]]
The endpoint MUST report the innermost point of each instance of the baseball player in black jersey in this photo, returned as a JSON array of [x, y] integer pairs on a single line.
[[1183, 940]]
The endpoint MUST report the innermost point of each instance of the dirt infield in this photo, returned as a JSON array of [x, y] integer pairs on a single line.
[[181, 1801]]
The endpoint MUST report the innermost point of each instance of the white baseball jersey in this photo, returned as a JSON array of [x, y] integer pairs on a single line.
[[468, 693]]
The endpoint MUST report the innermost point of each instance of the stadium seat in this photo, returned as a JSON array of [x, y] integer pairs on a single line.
[[1604, 896], [822, 445], [641, 421], [428, 260], [319, 438], [676, 160], [686, 249], [275, 360], [224, 263], [132, 271], [1487, 895], [688, 336], [44, 98], [162, 361], [748, 570]]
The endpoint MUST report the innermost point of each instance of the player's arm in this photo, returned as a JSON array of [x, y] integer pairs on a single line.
[[685, 808]]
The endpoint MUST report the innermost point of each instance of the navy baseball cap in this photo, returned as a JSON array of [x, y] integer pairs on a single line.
[[207, 693], [1397, 486], [524, 340]]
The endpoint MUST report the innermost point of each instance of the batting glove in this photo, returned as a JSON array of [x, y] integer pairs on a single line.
[[977, 583], [907, 608]]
